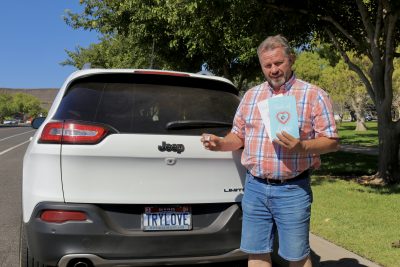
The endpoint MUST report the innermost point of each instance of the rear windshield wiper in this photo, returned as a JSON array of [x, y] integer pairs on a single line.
[[187, 124]]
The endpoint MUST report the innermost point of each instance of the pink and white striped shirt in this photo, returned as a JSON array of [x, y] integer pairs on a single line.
[[267, 159]]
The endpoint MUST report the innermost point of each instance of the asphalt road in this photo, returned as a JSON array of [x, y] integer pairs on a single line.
[[13, 143]]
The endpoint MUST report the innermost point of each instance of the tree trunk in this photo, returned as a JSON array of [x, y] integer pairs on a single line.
[[240, 82], [389, 141], [227, 73], [358, 105], [360, 126]]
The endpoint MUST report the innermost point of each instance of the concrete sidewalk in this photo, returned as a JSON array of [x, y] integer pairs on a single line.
[[327, 254]]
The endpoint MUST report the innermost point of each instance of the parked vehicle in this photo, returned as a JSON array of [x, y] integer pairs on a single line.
[[10, 122], [368, 118], [116, 174]]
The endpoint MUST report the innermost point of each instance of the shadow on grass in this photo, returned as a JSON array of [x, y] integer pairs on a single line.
[[347, 164], [366, 188], [351, 166], [367, 139], [348, 135]]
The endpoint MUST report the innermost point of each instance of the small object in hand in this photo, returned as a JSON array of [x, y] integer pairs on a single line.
[[207, 138]]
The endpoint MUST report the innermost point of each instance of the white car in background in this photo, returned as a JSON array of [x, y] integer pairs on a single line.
[[116, 174], [10, 122]]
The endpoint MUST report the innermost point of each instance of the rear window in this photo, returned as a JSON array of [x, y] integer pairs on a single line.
[[150, 108]]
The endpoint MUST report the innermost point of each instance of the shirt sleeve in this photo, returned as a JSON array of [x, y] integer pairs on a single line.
[[324, 120], [238, 127]]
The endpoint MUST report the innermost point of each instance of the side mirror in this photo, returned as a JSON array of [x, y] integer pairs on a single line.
[[37, 122]]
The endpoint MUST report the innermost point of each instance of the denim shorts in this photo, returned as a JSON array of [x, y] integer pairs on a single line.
[[282, 208]]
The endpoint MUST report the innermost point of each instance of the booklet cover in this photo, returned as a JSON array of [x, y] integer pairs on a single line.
[[279, 114]]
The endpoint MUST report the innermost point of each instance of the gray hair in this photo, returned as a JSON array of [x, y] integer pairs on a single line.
[[273, 42]]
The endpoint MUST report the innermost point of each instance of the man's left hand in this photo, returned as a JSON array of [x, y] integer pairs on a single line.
[[289, 142]]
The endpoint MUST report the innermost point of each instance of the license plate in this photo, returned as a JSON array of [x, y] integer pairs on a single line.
[[167, 218]]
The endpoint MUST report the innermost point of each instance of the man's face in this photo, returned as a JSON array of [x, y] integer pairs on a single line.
[[276, 66]]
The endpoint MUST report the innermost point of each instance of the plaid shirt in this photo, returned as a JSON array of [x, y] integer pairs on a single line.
[[269, 160]]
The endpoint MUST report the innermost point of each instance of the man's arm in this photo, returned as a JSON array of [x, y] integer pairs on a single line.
[[230, 142], [320, 145]]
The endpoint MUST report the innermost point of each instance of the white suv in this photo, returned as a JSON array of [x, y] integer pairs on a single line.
[[116, 174]]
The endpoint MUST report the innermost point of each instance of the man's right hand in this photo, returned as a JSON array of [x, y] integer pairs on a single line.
[[211, 142], [230, 142]]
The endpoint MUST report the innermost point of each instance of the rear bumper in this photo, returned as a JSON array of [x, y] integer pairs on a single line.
[[112, 236], [100, 262]]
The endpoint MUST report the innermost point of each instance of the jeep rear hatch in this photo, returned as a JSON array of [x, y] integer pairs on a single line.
[[150, 150]]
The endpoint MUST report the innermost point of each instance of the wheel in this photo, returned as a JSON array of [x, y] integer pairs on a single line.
[[25, 257]]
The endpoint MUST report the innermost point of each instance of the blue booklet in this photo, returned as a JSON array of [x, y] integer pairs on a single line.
[[279, 114]]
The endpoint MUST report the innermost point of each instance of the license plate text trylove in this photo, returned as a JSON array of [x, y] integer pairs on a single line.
[[167, 219]]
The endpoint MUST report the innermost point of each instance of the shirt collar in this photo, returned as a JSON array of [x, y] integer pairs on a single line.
[[285, 87]]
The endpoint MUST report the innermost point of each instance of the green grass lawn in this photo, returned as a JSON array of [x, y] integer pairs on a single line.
[[349, 136], [364, 219], [346, 164]]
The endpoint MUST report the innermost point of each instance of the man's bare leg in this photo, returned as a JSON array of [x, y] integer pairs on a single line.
[[303, 263], [259, 260]]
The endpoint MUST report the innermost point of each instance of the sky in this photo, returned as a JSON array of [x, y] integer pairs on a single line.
[[33, 40]]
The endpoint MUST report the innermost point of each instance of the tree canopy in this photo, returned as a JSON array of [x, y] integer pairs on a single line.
[[19, 103], [220, 35]]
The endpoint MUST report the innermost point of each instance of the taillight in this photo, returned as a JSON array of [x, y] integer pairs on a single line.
[[60, 216], [72, 133], [52, 133]]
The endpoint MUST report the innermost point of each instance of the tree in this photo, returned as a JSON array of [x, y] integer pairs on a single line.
[[181, 35], [336, 83], [112, 52], [342, 84], [369, 28], [345, 85], [26, 104], [313, 68], [396, 90], [5, 105], [309, 66]]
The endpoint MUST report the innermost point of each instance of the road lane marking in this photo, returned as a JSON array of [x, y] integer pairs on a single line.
[[11, 136], [14, 147]]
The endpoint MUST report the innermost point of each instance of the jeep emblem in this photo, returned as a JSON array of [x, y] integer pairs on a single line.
[[178, 148]]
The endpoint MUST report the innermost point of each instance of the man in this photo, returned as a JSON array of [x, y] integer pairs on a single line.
[[278, 195]]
